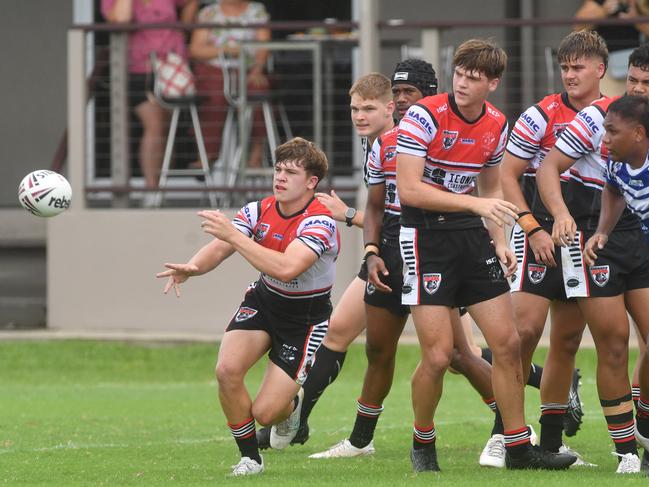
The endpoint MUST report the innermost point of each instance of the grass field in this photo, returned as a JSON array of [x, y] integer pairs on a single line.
[[89, 413]]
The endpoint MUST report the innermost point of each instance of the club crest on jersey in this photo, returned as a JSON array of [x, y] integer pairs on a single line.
[[600, 274], [390, 153], [431, 282], [557, 128], [261, 231], [448, 138], [244, 313], [536, 272]]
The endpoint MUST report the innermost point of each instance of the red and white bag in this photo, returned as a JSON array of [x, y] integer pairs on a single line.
[[173, 78]]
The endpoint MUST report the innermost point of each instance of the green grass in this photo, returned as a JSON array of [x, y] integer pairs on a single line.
[[89, 413]]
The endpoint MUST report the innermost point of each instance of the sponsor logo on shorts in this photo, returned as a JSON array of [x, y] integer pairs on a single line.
[[288, 353], [406, 289], [514, 277], [536, 272], [370, 288], [494, 269], [600, 274], [573, 282], [244, 314], [431, 282], [261, 231], [448, 138]]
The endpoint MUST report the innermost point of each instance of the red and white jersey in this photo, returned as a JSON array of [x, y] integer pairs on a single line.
[[455, 150], [582, 141], [382, 169], [313, 226], [534, 134]]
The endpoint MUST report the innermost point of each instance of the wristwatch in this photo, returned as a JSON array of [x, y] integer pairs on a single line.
[[350, 213]]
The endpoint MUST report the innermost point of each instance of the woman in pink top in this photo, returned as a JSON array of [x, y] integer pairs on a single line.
[[154, 118]]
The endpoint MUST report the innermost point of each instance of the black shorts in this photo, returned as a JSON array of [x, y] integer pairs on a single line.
[[391, 255], [450, 268], [139, 87], [535, 277], [622, 265], [294, 337]]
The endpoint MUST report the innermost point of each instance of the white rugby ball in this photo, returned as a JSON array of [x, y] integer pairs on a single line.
[[44, 193]]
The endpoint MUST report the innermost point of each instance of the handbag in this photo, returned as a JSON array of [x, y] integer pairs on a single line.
[[173, 78]]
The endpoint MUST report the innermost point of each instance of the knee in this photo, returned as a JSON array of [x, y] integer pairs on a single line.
[[508, 348], [528, 333], [459, 360], [567, 344], [434, 362], [228, 374], [378, 353], [263, 415], [613, 353]]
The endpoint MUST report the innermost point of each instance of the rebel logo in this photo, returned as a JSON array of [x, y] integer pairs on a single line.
[[600, 274], [536, 272], [244, 313], [431, 282]]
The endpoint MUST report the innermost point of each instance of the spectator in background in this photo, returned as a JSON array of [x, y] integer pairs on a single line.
[[620, 39], [153, 117], [215, 49]]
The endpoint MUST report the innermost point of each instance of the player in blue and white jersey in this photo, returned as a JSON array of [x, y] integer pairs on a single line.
[[627, 184]]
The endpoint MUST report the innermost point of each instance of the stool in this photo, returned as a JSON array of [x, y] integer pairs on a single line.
[[176, 105], [230, 156]]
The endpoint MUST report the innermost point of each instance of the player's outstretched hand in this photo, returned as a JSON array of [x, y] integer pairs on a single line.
[[217, 224], [334, 204], [564, 229], [594, 244], [507, 258], [543, 247], [177, 274], [376, 267], [498, 211]]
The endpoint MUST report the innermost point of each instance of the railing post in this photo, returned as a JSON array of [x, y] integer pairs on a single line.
[[77, 117], [430, 45], [119, 117]]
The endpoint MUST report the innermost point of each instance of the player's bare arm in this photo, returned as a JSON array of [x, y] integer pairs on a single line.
[[511, 171], [338, 208], [205, 260], [613, 205], [374, 209], [284, 266], [548, 179], [414, 192], [489, 187]]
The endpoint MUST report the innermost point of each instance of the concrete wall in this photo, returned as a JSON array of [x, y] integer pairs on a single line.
[[101, 268], [33, 85]]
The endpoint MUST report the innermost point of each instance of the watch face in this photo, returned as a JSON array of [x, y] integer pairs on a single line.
[[350, 212]]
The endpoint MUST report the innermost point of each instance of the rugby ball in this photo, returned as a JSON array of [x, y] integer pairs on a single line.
[[44, 193]]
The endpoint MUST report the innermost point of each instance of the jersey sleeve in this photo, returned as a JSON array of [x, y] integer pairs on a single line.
[[529, 129], [375, 172], [497, 156], [318, 232], [583, 135], [416, 131], [246, 218], [610, 174]]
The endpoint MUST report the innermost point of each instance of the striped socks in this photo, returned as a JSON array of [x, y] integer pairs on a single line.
[[424, 437], [367, 415], [246, 437], [552, 425]]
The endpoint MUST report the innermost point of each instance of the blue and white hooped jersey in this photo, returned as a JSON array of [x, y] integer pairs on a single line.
[[633, 185]]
